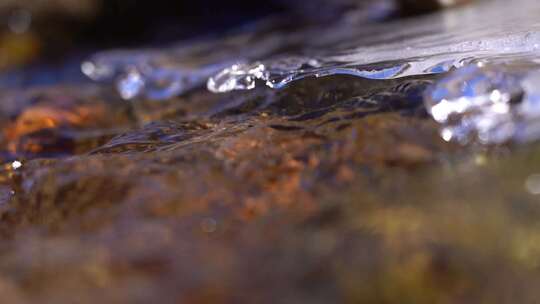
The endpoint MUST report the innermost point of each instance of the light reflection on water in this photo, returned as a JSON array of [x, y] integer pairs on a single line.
[[486, 33]]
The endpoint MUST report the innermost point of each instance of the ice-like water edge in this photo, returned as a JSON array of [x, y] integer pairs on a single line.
[[147, 75], [490, 52], [430, 45], [159, 74], [492, 43]]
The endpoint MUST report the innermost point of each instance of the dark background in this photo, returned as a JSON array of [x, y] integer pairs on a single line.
[[131, 22]]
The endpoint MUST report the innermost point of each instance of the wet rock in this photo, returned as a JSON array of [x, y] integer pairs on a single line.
[[60, 121]]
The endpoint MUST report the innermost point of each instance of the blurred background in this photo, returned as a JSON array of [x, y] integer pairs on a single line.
[[32, 30]]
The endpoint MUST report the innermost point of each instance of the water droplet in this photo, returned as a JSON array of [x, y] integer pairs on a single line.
[[16, 165]]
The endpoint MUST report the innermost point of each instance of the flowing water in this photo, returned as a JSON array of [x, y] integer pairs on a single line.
[[487, 33]]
